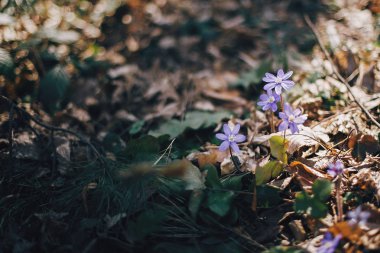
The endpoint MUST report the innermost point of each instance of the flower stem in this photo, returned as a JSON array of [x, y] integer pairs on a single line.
[[282, 103], [233, 160], [339, 201], [254, 195], [271, 121]]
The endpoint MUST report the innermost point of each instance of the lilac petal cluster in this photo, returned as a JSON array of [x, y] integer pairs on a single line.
[[230, 138], [291, 119], [269, 101], [278, 82], [329, 243], [335, 169], [358, 217]]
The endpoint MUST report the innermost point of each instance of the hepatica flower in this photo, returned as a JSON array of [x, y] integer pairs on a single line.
[[291, 119], [230, 138], [278, 82], [269, 101], [329, 243], [335, 169], [358, 217]]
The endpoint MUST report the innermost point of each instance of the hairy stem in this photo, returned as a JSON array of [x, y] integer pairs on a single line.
[[339, 200], [271, 121], [233, 159]]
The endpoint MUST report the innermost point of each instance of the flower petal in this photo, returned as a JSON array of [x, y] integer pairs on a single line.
[[278, 89], [266, 107], [269, 86], [276, 97], [269, 75], [280, 73], [236, 129], [264, 97], [287, 84], [282, 115], [226, 129], [224, 146], [300, 120], [222, 137], [240, 138], [287, 75], [283, 126], [288, 109], [297, 112], [268, 79], [273, 107], [262, 103], [235, 147], [293, 128]]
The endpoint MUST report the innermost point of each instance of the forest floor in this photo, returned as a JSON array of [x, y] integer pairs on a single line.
[[109, 114]]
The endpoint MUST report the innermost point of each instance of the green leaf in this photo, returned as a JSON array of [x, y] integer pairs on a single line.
[[136, 127], [195, 202], [310, 205], [193, 120], [219, 202], [6, 63], [254, 76], [142, 149], [269, 170], [302, 202], [233, 182], [212, 178], [53, 87], [278, 146], [267, 196], [322, 189], [318, 209], [146, 223]]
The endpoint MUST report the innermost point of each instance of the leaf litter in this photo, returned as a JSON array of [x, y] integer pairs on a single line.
[[180, 72]]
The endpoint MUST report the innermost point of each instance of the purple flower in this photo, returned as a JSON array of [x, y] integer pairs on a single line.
[[358, 216], [291, 119], [269, 101], [329, 244], [278, 82], [335, 169], [230, 138]]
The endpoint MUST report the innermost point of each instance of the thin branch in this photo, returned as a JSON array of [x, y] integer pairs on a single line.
[[336, 72]]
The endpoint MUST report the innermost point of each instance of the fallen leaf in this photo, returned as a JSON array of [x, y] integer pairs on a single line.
[[352, 233], [305, 174], [362, 145]]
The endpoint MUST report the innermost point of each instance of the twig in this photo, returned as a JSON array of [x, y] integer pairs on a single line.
[[336, 72], [167, 150], [53, 128]]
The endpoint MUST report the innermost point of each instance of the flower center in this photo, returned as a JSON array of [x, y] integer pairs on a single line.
[[278, 80], [271, 99], [291, 118], [231, 138]]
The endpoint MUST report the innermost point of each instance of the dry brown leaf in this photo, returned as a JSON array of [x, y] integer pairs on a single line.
[[367, 180], [305, 174], [351, 233], [213, 156]]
